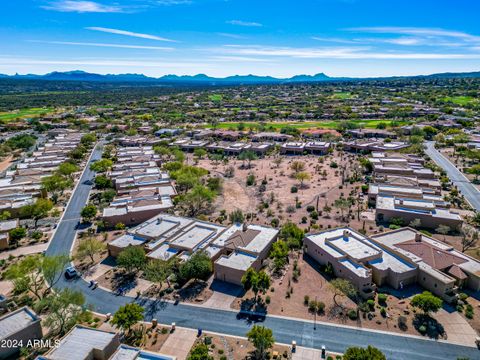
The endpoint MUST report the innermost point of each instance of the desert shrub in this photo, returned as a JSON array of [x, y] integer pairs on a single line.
[[352, 314], [293, 189], [402, 323], [306, 299], [383, 312], [371, 304], [382, 298], [310, 208], [469, 311]]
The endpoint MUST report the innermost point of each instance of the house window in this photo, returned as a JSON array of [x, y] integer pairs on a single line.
[[435, 285]]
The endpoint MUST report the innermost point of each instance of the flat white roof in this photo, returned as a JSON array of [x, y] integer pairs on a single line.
[[80, 342], [16, 321], [237, 260], [127, 240]]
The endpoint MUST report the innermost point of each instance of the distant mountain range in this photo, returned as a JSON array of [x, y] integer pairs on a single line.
[[78, 75]]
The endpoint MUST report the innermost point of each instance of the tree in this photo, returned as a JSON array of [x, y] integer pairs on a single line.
[[197, 201], [64, 310], [17, 234], [475, 170], [5, 215], [36, 211], [89, 212], [427, 302], [67, 169], [101, 165], [469, 237], [416, 223], [342, 287], [443, 229], [31, 273], [56, 184], [236, 217], [277, 161], [297, 166], [88, 140], [89, 247], [257, 281], [279, 254], [200, 153], [292, 235], [163, 151], [127, 316], [248, 156], [199, 352], [52, 269], [262, 339], [26, 275], [157, 271], [358, 353], [103, 182], [198, 266], [342, 204], [302, 176], [132, 259]]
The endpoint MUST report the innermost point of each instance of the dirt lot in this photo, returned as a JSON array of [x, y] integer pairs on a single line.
[[227, 347], [324, 187]]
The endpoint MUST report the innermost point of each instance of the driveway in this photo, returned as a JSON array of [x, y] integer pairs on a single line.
[[458, 329], [179, 343], [464, 185]]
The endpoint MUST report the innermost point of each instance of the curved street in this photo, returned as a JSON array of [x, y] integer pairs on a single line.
[[335, 338], [466, 188]]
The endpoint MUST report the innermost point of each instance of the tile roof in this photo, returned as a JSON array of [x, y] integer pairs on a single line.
[[435, 257]]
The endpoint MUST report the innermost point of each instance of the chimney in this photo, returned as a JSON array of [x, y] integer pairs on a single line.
[[418, 237], [346, 233]]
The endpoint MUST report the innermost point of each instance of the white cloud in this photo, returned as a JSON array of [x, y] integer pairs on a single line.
[[123, 46], [14, 61], [239, 59], [173, 2], [82, 7], [244, 23], [417, 31], [334, 40], [335, 53], [232, 36], [129, 33]]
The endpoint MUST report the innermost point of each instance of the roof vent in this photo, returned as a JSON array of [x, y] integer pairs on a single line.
[[244, 227]]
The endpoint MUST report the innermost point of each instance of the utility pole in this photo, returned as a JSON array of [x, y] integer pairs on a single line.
[[315, 315]]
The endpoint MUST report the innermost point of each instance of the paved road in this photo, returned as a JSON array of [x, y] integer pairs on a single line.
[[467, 189], [285, 330]]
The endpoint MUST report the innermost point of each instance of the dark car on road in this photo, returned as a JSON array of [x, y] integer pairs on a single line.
[[71, 273]]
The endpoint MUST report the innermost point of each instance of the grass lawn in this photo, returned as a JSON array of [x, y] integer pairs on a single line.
[[461, 100], [345, 95], [23, 114], [326, 124], [215, 97]]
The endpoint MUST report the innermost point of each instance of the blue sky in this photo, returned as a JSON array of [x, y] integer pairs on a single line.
[[226, 37]]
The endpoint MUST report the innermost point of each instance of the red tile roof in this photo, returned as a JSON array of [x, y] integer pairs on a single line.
[[435, 257]]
